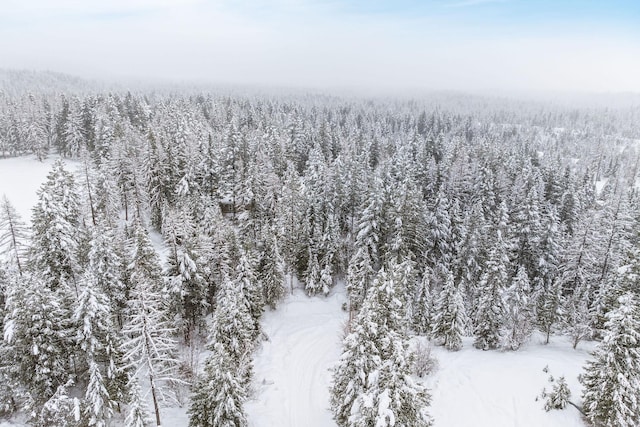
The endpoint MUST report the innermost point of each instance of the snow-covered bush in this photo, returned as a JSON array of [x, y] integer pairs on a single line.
[[423, 361]]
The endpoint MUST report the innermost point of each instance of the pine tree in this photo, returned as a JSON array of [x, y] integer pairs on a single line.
[[359, 277], [150, 347], [518, 320], [218, 399], [549, 307], [270, 270], [289, 223], [450, 317], [186, 268], [59, 410], [55, 229], [107, 265], [423, 307], [440, 252], [558, 397], [218, 396], [249, 288], [371, 383], [611, 380], [234, 328], [101, 348], [13, 236], [490, 312], [38, 336], [137, 415]]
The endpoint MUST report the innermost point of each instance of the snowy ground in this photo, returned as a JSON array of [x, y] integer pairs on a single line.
[[498, 389], [470, 388], [21, 177], [292, 369]]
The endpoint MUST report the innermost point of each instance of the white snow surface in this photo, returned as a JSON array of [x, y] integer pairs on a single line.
[[478, 388], [292, 369], [21, 177]]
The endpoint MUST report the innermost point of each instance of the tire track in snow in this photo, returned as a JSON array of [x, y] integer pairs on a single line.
[[291, 370]]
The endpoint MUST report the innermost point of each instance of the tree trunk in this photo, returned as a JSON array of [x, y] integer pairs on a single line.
[[155, 400]]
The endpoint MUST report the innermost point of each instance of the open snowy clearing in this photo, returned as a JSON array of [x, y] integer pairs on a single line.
[[292, 373], [20, 178], [469, 387], [498, 389]]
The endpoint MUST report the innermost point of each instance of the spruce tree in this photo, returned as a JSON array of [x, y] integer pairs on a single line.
[[150, 348], [55, 220], [611, 380], [218, 399], [14, 236], [39, 338], [219, 394], [187, 271], [450, 316], [371, 383], [518, 319], [107, 265], [270, 270], [423, 307], [489, 315], [102, 353]]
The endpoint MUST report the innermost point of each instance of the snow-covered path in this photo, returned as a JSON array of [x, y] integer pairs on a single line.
[[291, 370]]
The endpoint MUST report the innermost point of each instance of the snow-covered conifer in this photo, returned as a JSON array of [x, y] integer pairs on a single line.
[[55, 221], [450, 317], [611, 380], [371, 383], [149, 349], [518, 314], [14, 236], [220, 394]]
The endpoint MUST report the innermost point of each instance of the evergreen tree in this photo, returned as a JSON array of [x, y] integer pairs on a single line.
[[234, 328], [549, 307], [150, 347], [611, 380], [219, 394], [249, 288], [270, 270], [13, 236], [137, 415], [372, 384], [359, 277], [423, 307], [440, 252], [490, 312], [186, 269], [107, 266], [518, 320], [39, 340], [218, 397], [101, 347], [450, 316], [55, 230]]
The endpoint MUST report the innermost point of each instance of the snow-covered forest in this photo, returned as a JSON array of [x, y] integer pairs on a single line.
[[178, 216]]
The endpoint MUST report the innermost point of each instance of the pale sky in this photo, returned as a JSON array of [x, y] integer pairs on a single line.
[[469, 45]]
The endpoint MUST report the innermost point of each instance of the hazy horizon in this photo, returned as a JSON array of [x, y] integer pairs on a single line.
[[477, 46]]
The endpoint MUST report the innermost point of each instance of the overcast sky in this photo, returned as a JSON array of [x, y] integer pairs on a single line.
[[477, 45]]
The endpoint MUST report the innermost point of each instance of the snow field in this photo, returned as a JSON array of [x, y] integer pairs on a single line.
[[292, 369], [21, 177], [475, 388]]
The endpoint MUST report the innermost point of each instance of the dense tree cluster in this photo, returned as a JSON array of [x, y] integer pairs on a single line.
[[448, 217]]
